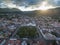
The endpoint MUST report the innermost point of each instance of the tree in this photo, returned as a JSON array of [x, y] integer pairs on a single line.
[[27, 32]]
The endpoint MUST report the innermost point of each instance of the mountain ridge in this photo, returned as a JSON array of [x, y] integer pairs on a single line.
[[55, 11]]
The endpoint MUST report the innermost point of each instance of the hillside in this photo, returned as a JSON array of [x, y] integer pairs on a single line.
[[9, 9], [50, 12]]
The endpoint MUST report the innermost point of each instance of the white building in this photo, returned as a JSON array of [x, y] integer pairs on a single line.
[[24, 43]]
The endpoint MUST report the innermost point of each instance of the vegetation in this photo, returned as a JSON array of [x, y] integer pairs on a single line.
[[27, 32]]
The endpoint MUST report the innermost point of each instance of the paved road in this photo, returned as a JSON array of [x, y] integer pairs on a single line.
[[15, 32], [12, 35]]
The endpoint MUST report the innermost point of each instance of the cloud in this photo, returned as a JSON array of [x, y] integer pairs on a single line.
[[27, 4], [57, 2], [54, 2]]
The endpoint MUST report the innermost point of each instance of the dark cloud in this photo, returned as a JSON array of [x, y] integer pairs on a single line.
[[54, 2], [26, 2], [0, 1], [23, 4]]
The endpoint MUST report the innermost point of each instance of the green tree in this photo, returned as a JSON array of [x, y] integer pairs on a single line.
[[27, 32]]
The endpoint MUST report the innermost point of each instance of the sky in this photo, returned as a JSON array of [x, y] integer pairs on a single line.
[[27, 4]]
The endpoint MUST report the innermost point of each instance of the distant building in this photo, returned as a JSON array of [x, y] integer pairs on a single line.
[[24, 43], [29, 24], [13, 41]]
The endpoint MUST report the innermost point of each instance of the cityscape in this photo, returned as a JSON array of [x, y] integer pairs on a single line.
[[30, 26]]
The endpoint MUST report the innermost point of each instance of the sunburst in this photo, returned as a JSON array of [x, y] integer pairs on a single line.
[[45, 6]]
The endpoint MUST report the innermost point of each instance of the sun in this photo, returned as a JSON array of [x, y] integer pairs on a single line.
[[45, 6]]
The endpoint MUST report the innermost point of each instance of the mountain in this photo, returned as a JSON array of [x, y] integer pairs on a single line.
[[50, 12], [8, 9]]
